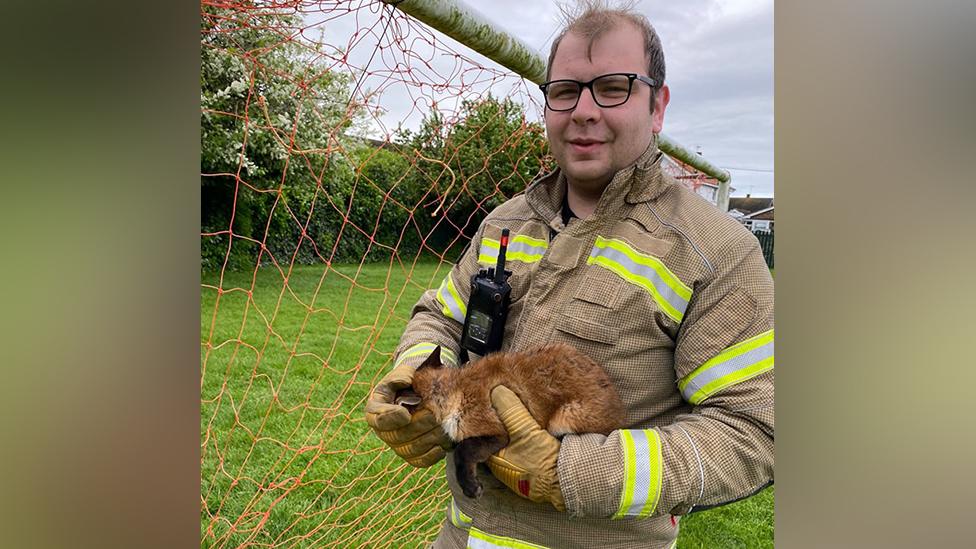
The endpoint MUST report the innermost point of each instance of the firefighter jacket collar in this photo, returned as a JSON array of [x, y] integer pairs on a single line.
[[642, 181]]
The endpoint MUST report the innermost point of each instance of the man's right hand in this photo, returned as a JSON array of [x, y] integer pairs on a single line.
[[418, 438]]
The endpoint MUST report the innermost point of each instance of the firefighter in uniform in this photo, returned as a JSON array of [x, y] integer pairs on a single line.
[[612, 255]]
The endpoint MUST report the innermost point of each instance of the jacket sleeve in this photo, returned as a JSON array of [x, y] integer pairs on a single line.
[[438, 316], [722, 449]]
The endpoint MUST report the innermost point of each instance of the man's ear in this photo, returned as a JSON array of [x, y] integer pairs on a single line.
[[661, 99], [433, 360]]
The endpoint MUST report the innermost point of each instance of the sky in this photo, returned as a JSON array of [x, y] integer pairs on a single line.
[[719, 57]]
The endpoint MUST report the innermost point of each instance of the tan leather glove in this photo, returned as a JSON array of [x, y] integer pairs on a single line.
[[418, 438], [528, 464]]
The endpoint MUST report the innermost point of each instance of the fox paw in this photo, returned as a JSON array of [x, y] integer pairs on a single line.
[[472, 488]]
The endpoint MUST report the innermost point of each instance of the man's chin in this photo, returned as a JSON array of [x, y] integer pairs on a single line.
[[589, 180], [577, 172]]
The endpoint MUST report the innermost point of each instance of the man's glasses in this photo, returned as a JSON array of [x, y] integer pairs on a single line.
[[608, 90]]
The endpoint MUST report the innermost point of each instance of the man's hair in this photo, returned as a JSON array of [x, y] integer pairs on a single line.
[[593, 18]]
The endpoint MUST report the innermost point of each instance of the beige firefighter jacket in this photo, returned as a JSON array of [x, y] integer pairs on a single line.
[[674, 299]]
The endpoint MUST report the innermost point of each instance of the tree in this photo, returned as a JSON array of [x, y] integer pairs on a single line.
[[490, 154], [284, 180], [274, 115]]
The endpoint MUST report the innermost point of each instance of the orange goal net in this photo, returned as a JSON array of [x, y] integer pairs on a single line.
[[348, 154]]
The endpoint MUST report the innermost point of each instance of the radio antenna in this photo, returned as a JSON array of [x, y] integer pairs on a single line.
[[500, 266]]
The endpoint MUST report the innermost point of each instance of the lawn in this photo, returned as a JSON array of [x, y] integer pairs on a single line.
[[287, 458]]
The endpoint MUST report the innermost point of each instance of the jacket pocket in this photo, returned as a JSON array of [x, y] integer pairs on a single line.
[[586, 329], [590, 314], [599, 288], [590, 330], [588, 322]]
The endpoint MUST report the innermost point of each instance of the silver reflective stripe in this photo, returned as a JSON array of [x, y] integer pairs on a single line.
[[448, 295], [642, 473], [520, 248], [730, 366], [742, 361], [667, 293], [424, 350], [448, 356]]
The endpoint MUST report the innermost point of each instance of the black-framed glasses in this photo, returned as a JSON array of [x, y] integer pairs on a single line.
[[608, 90]]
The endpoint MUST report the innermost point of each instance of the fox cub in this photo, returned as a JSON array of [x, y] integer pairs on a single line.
[[563, 389]]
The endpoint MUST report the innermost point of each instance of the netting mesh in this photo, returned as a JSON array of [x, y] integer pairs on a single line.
[[348, 153]]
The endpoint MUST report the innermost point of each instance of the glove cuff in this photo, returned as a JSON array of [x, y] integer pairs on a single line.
[[508, 474], [556, 493]]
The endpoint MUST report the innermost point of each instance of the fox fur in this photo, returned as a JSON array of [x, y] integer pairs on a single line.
[[563, 389]]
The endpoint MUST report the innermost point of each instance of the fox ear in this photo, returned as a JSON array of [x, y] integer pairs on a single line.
[[433, 360]]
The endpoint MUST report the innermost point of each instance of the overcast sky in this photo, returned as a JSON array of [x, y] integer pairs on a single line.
[[719, 56]]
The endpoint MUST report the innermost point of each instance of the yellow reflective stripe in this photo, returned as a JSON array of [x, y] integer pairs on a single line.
[[424, 349], [453, 306], [448, 356], [627, 494], [645, 271], [478, 539], [520, 248], [744, 360], [457, 516], [642, 473]]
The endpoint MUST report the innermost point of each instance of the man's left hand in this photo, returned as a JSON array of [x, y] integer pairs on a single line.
[[528, 464]]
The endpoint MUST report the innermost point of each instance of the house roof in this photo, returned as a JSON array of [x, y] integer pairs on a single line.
[[750, 204], [678, 167], [765, 213]]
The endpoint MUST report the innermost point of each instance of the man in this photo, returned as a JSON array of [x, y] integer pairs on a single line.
[[670, 295]]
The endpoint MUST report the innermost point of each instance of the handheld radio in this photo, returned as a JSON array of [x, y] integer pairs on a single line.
[[484, 323]]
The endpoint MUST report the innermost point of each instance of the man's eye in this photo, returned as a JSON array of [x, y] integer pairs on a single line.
[[612, 90], [563, 92]]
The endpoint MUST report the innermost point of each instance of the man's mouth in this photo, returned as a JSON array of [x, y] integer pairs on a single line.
[[584, 145]]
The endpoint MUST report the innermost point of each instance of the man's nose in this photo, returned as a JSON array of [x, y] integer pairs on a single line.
[[586, 108]]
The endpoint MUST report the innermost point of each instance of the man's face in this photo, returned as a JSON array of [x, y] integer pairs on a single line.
[[591, 143]]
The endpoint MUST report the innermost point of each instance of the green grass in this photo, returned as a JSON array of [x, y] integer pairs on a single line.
[[286, 455], [747, 523]]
